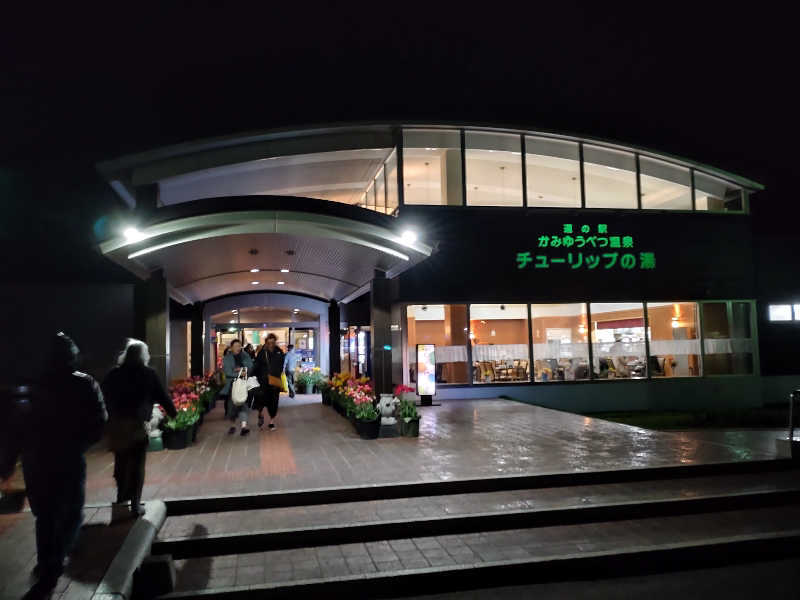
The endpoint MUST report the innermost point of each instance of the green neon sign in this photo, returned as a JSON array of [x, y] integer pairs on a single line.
[[575, 248]]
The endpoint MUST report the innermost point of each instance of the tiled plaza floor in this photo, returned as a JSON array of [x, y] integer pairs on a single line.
[[314, 447]]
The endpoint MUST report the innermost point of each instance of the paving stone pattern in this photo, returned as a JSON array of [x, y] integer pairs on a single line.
[[477, 548]]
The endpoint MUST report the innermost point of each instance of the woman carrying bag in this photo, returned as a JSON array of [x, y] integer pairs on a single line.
[[233, 364], [269, 370]]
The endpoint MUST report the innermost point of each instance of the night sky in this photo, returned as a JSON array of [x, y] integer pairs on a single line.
[[714, 86]]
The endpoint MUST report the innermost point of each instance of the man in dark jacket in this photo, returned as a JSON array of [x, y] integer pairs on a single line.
[[269, 362], [67, 417]]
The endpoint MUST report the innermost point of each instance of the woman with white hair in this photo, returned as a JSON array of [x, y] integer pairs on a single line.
[[131, 389]]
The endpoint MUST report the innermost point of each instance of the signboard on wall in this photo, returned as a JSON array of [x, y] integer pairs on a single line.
[[426, 370]]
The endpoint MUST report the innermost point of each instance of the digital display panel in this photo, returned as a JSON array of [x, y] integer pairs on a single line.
[[426, 369]]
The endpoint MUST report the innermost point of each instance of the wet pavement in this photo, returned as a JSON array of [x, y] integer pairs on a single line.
[[314, 447]]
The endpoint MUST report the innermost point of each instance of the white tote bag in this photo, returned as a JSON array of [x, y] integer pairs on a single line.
[[252, 383], [239, 389]]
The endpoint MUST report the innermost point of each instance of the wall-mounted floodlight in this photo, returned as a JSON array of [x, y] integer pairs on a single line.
[[133, 235], [408, 237]]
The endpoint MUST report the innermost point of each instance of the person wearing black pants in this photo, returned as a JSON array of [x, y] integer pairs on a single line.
[[269, 362]]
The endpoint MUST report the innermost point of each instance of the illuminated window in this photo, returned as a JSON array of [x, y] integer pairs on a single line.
[[618, 345], [499, 334], [391, 183], [715, 194], [665, 186], [781, 312], [674, 336], [560, 342], [610, 178], [728, 344], [445, 326], [494, 169], [432, 167], [553, 173]]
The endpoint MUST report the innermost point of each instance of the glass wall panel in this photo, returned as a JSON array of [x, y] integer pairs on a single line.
[[665, 186], [780, 312], [432, 167], [797, 312], [716, 194], [499, 334], [674, 339], [494, 169], [728, 344], [380, 191], [391, 183], [370, 197], [618, 344], [610, 178], [553, 173], [560, 342], [444, 325]]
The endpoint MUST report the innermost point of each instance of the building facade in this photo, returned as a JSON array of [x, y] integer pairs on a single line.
[[559, 270]]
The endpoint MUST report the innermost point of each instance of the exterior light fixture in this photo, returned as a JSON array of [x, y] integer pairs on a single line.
[[284, 270], [254, 282], [281, 283], [408, 237], [254, 270], [133, 235]]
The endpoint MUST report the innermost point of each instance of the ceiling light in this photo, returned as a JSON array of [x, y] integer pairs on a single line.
[[284, 270], [254, 270], [234, 311], [296, 310], [281, 283], [254, 282], [233, 320], [408, 237], [133, 235]]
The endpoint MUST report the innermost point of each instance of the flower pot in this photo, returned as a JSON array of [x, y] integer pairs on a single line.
[[155, 444], [202, 418], [175, 439], [410, 428], [326, 396], [368, 430], [309, 388], [194, 429]]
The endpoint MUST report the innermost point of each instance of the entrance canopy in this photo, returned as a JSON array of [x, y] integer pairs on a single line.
[[210, 249]]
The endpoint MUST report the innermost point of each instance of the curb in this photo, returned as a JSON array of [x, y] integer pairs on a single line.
[[117, 583]]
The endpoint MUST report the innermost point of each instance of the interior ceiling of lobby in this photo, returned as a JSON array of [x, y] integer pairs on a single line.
[[264, 314]]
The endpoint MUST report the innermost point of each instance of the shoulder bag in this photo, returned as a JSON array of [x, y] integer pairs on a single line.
[[239, 388]]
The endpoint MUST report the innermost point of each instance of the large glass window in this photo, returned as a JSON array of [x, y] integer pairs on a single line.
[[432, 167], [553, 173], [618, 344], [494, 169], [499, 334], [674, 339], [391, 183], [560, 342], [716, 194], [780, 312], [610, 178], [665, 186], [728, 343], [380, 191], [445, 326]]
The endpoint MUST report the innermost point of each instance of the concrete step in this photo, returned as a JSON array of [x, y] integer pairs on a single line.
[[430, 564], [363, 493], [284, 528]]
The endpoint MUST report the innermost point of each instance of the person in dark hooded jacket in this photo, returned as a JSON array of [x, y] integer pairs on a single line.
[[67, 416]]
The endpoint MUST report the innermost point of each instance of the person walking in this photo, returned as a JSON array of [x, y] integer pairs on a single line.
[[292, 357], [131, 389], [67, 416], [268, 368], [250, 351], [232, 365]]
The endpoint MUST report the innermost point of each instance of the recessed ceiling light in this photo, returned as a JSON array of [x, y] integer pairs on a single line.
[[284, 270], [254, 270], [234, 311], [233, 320], [281, 282], [254, 282]]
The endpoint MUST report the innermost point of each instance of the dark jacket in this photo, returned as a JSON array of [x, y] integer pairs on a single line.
[[67, 416], [268, 363], [131, 391]]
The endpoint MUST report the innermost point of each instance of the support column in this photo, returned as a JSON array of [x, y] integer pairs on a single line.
[[380, 325], [152, 321], [334, 347], [456, 334], [196, 349], [451, 177]]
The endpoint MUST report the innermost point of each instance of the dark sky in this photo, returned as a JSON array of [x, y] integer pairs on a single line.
[[712, 85]]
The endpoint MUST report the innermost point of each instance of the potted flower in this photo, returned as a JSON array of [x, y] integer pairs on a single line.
[[305, 381], [180, 431], [404, 392], [408, 418], [325, 389], [367, 420]]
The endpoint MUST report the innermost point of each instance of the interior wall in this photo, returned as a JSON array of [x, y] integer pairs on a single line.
[[178, 350]]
